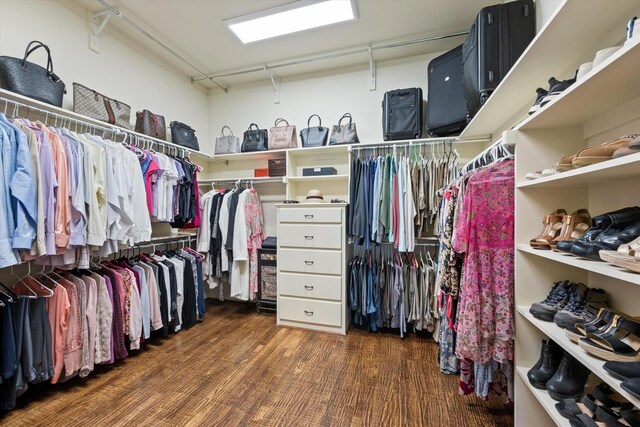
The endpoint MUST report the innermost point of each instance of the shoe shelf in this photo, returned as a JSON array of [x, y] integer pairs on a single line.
[[599, 267], [611, 85], [610, 170], [565, 39], [594, 364], [545, 400]]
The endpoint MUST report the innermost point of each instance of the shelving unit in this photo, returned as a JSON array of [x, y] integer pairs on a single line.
[[40, 110], [571, 36], [604, 105], [320, 178]]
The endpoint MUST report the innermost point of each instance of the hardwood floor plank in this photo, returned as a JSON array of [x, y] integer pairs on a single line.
[[237, 368]]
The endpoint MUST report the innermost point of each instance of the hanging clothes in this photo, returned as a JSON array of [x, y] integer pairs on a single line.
[[232, 233], [64, 323]]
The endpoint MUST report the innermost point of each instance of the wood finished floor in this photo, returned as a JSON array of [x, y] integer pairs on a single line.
[[237, 368]]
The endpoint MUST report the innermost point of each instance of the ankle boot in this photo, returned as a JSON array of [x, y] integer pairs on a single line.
[[546, 366], [569, 380]]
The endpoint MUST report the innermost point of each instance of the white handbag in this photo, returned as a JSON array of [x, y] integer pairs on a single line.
[[282, 137], [227, 144]]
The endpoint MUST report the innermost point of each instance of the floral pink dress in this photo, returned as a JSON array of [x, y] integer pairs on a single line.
[[485, 234]]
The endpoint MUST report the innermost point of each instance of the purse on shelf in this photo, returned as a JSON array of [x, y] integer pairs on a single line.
[[282, 137], [93, 104], [254, 139], [184, 135], [26, 78], [314, 136], [151, 124], [344, 134], [227, 144]]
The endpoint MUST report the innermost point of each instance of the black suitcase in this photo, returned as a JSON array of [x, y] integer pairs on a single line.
[[496, 40], [402, 114], [446, 110]]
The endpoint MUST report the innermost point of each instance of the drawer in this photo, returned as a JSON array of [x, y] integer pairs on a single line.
[[310, 261], [310, 286], [311, 236], [310, 215], [310, 311]]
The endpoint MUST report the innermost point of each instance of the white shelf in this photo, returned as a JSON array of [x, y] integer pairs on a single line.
[[557, 46], [594, 364], [614, 169], [318, 178], [61, 112], [545, 400], [611, 85], [599, 267], [253, 155], [318, 151]]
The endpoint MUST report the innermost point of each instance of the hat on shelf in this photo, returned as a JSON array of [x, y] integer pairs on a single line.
[[314, 196]]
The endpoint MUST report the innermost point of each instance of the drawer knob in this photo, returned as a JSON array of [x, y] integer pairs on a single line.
[[308, 313], [308, 237], [309, 288], [309, 262], [308, 216]]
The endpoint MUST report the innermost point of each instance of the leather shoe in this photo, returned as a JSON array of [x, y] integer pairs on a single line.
[[623, 370], [569, 380], [599, 224], [632, 386], [546, 366], [623, 228]]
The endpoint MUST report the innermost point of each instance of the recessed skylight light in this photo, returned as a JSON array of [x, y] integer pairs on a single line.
[[291, 18]]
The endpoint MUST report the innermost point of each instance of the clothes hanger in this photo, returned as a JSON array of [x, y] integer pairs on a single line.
[[11, 297], [20, 280]]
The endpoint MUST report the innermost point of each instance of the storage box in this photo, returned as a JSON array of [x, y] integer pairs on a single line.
[[277, 167], [262, 172], [319, 171]]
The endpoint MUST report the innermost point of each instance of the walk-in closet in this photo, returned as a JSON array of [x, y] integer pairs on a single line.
[[320, 213]]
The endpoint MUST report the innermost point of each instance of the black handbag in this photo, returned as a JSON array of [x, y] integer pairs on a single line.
[[314, 136], [29, 79], [254, 139], [344, 134], [184, 135]]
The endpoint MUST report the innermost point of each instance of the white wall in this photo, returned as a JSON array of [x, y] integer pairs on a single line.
[[118, 71], [330, 96]]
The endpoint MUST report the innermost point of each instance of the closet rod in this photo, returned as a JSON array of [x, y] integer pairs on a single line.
[[162, 45], [444, 141], [93, 128], [240, 181], [261, 68]]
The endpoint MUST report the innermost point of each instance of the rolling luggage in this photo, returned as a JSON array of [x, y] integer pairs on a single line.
[[496, 40], [446, 109], [402, 114]]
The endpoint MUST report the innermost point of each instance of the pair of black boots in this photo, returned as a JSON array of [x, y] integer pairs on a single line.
[[558, 372], [608, 231]]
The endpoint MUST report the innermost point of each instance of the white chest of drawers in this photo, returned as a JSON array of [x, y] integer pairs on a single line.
[[312, 265]]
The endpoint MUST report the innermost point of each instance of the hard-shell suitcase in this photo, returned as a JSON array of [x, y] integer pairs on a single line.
[[446, 109], [496, 40], [402, 114]]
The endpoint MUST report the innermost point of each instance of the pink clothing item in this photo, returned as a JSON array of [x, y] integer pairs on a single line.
[[82, 297], [73, 339], [255, 236], [62, 229], [485, 234], [91, 314], [58, 309], [149, 181]]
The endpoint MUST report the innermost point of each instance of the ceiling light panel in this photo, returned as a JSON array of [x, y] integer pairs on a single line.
[[291, 18]]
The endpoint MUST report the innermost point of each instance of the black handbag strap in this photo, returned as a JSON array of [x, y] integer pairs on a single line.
[[29, 50], [280, 121], [345, 115], [312, 116], [223, 128], [252, 125]]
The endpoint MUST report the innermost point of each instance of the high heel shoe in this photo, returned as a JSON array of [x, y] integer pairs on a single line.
[[552, 226], [575, 225]]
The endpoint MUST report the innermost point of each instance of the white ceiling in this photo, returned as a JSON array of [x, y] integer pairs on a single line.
[[195, 30]]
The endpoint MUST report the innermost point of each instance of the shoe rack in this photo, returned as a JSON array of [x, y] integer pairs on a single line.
[[604, 105]]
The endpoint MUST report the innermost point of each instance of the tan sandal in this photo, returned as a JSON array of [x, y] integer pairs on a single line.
[[575, 225], [592, 155], [552, 226], [565, 163], [627, 256]]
